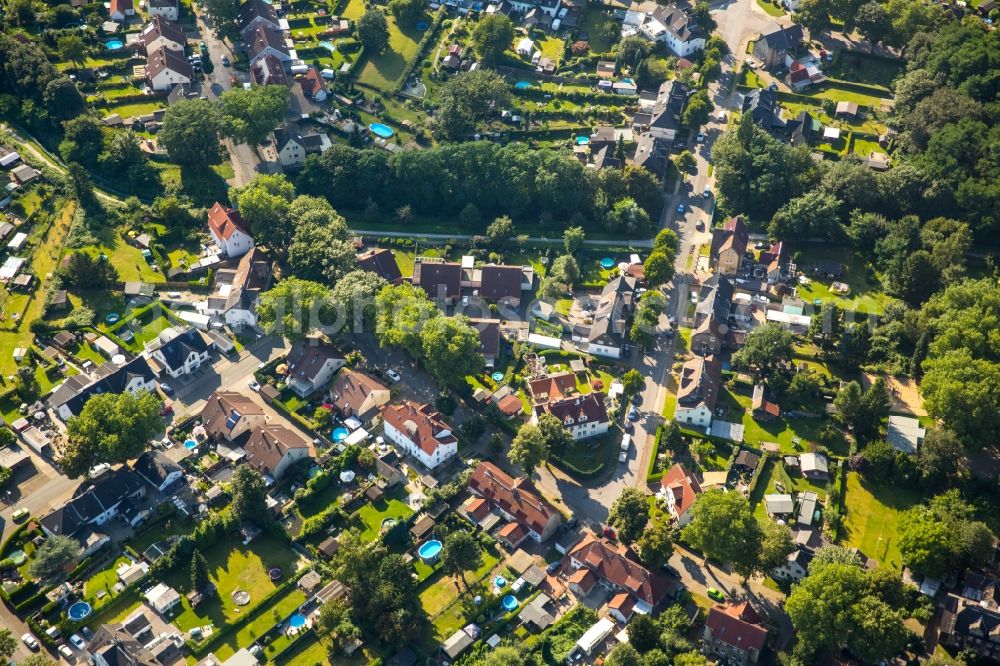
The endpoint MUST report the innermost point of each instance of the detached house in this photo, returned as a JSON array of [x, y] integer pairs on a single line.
[[92, 507], [583, 416], [263, 41], [662, 119], [165, 68], [972, 625], [158, 470], [680, 489], [121, 9], [273, 448], [292, 146], [516, 500], [356, 394], [735, 634], [667, 25], [179, 351], [228, 415], [595, 560], [168, 9], [607, 333], [729, 246], [313, 85], [160, 33], [700, 384], [229, 232], [776, 43], [382, 262], [311, 366], [419, 431]]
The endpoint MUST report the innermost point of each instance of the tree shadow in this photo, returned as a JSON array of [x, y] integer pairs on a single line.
[[203, 185]]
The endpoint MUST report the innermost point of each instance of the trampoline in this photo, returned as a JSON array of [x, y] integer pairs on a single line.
[[340, 434], [497, 376], [112, 318], [274, 573], [607, 263], [297, 621], [421, 26], [18, 558], [78, 611], [241, 597], [509, 602]]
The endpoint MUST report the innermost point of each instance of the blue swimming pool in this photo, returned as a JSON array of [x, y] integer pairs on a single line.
[[297, 621], [522, 85], [114, 44], [429, 550], [582, 140], [112, 318], [607, 263], [509, 602], [378, 129], [190, 444], [329, 46], [421, 26], [340, 434], [500, 581], [497, 376], [78, 611]]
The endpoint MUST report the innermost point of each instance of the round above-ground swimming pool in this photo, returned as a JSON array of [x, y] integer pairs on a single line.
[[509, 602], [607, 263], [190, 444], [274, 573], [329, 46], [582, 140], [114, 44], [497, 376], [429, 550], [18, 557], [378, 129], [522, 85], [78, 611], [500, 581], [112, 318], [340, 434], [297, 621]]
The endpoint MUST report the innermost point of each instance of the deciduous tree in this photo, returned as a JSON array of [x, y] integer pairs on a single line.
[[468, 98], [655, 545], [250, 115], [294, 308], [529, 449], [52, 559], [373, 30], [190, 132], [492, 36], [629, 514], [450, 349], [723, 527], [111, 428], [249, 493], [460, 553], [266, 204], [766, 349]]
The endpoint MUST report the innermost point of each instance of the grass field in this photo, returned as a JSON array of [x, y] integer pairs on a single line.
[[280, 608], [872, 516], [781, 430], [372, 515], [128, 259], [104, 580], [600, 28], [862, 68], [770, 8], [865, 293], [384, 70]]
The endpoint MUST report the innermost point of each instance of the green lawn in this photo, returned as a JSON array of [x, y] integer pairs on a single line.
[[280, 608], [384, 70], [780, 430], [372, 515], [865, 293], [588, 455], [104, 580], [552, 47], [600, 28], [862, 68], [774, 471], [441, 598], [128, 259], [871, 518], [770, 8], [832, 91]]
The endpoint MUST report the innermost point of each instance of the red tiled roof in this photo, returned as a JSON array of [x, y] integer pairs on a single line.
[[312, 82], [609, 563], [477, 507], [683, 485], [516, 497], [121, 6], [623, 602], [730, 629], [700, 382], [421, 424], [552, 387], [583, 578], [582, 409], [268, 444], [512, 533], [510, 405], [224, 222]]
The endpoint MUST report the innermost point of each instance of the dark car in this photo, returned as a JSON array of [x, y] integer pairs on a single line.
[[225, 61], [672, 571], [553, 567]]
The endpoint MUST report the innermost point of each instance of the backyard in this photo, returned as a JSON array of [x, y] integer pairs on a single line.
[[774, 472], [372, 515], [864, 68], [383, 71], [872, 516], [864, 290], [792, 434]]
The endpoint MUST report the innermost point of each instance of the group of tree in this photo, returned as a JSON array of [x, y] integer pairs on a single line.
[[83, 270], [944, 536], [113, 152], [895, 22], [248, 493], [111, 428], [723, 527], [534, 443], [44, 96], [659, 641], [492, 36], [658, 268], [560, 277], [841, 605], [541, 187], [651, 306], [862, 411], [767, 349], [937, 464]]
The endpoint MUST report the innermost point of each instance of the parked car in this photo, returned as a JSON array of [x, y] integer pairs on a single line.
[[715, 594], [700, 138], [19, 515], [393, 375], [623, 456], [225, 61], [30, 641], [67, 653], [254, 385], [553, 567], [77, 642], [572, 522], [633, 413], [707, 192], [680, 208], [699, 225], [166, 388]]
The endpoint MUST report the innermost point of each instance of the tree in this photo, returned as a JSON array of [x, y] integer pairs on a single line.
[[37, 660], [500, 230], [83, 186], [814, 15], [124, 155], [573, 239], [373, 30], [848, 403], [805, 388], [82, 140], [249, 115], [22, 11], [62, 98], [470, 217], [554, 434], [667, 241], [658, 268], [460, 552], [919, 278], [647, 317], [528, 449], [450, 348], [72, 48], [655, 545], [317, 253], [623, 654], [52, 559], [723, 527], [632, 382], [86, 271], [335, 627], [672, 438], [356, 292], [776, 545], [401, 313], [406, 11], [266, 204], [293, 308], [685, 162], [199, 571], [697, 110], [224, 13], [628, 216], [873, 21], [766, 349], [190, 132], [643, 633], [629, 514], [469, 98], [249, 493], [692, 658], [940, 455], [492, 36], [814, 214], [564, 271], [925, 543], [111, 428], [8, 644]]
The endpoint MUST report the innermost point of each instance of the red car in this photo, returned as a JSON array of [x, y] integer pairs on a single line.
[[167, 409], [610, 533]]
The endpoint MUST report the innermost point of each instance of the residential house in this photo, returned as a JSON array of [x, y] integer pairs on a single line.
[[263, 41], [698, 393], [762, 105], [680, 489], [236, 294], [230, 233], [290, 146], [91, 507], [382, 262], [712, 317], [735, 634], [814, 466], [550, 7], [268, 71], [179, 351], [420, 432], [166, 67], [763, 409], [970, 625], [905, 433], [313, 85], [617, 573], [441, 280], [162, 33], [501, 284], [489, 338], [803, 129], [772, 263], [672, 26], [69, 397], [311, 366], [608, 332], [158, 470], [356, 394], [652, 154], [796, 566], [663, 117], [729, 246], [228, 415], [777, 42], [255, 13], [552, 387], [167, 9], [516, 500], [273, 448], [622, 607], [134, 641], [583, 416], [120, 10]]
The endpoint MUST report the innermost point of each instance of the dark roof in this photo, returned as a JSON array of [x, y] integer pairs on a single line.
[[161, 27], [764, 109], [77, 390], [176, 351], [285, 134], [269, 71], [652, 154], [90, 501], [252, 9], [500, 282], [155, 467], [264, 36], [306, 359], [783, 38], [611, 314], [700, 382], [489, 336], [382, 262], [165, 58], [429, 275]]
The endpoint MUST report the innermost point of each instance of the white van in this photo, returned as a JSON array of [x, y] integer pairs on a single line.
[[626, 442]]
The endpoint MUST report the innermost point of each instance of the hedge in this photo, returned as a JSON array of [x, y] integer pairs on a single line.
[[651, 476], [758, 471]]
